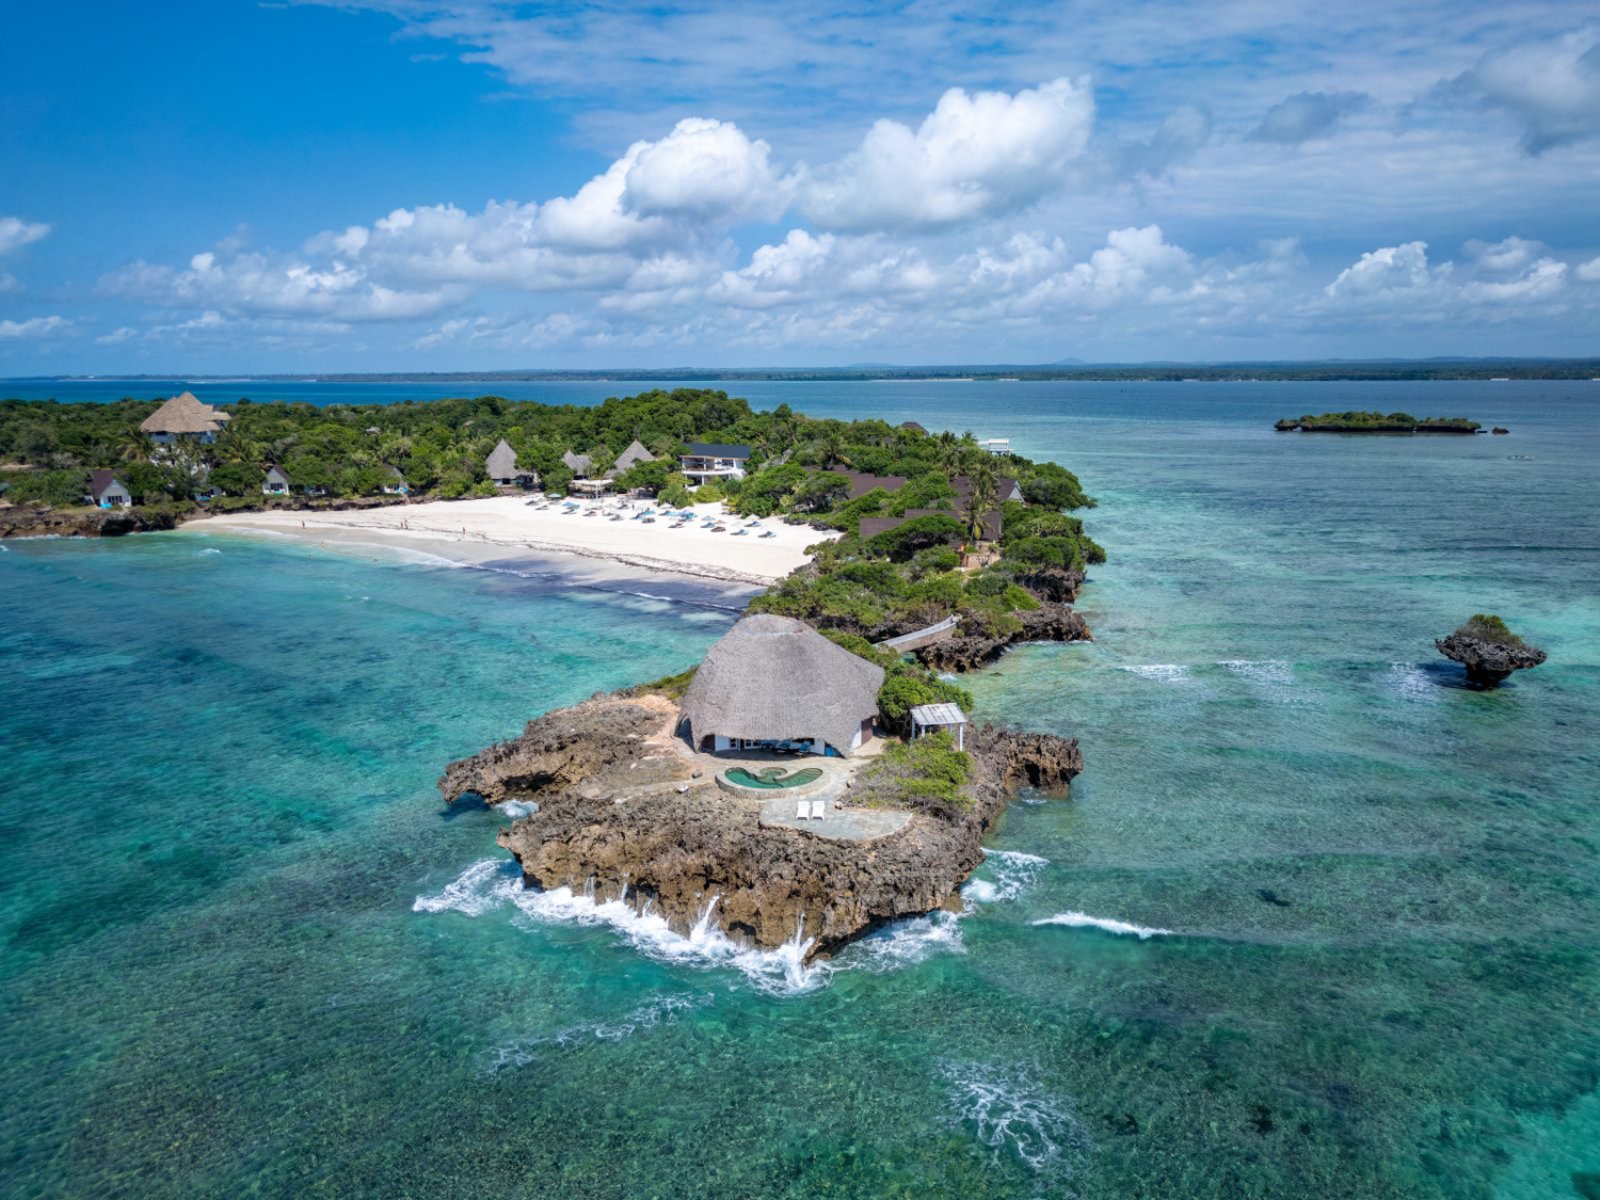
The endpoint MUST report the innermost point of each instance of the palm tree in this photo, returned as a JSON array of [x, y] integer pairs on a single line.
[[947, 451], [832, 447], [983, 497]]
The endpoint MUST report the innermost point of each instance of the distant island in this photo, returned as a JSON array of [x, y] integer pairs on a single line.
[[1375, 422]]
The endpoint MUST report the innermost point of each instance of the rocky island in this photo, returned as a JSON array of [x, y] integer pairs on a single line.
[[1489, 650], [1376, 422], [817, 774], [634, 802]]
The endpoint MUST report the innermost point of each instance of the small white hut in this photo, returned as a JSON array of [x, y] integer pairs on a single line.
[[107, 491]]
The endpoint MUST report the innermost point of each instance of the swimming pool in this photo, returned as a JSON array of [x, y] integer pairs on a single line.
[[772, 777]]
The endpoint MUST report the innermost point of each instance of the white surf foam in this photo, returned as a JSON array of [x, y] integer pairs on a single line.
[[1079, 920], [496, 885], [660, 1010], [1269, 670], [1158, 672], [211, 550], [514, 809], [1013, 1115]]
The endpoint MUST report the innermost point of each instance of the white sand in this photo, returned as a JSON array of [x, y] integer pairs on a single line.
[[480, 530]]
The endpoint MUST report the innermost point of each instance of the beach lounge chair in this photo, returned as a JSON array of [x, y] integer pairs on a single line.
[[741, 533], [769, 533], [802, 810], [818, 809]]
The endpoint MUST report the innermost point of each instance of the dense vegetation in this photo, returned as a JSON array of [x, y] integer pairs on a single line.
[[857, 590], [1487, 627], [1375, 422], [928, 775]]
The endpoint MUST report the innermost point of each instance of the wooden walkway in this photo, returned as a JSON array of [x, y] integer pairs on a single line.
[[919, 638]]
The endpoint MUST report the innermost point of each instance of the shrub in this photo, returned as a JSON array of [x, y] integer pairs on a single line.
[[1487, 627], [928, 775]]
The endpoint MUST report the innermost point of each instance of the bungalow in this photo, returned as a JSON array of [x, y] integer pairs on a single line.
[[501, 468], [872, 526], [578, 464], [999, 447], [107, 491], [776, 683], [183, 416], [1004, 489], [703, 461], [912, 427], [631, 457], [861, 483], [277, 482]]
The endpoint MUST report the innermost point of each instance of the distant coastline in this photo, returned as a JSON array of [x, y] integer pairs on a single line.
[[1487, 370]]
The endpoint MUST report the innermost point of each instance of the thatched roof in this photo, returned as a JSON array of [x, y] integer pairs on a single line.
[[632, 456], [775, 677], [184, 414], [578, 464], [502, 461]]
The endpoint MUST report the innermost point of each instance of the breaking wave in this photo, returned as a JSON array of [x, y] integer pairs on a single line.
[[1078, 920], [495, 885]]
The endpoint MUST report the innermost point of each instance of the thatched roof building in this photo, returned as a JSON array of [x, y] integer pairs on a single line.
[[501, 465], [183, 415], [578, 464], [632, 457], [775, 679]]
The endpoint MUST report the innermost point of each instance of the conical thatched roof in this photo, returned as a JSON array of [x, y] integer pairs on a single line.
[[775, 677], [184, 414], [502, 461], [578, 464], [632, 456]]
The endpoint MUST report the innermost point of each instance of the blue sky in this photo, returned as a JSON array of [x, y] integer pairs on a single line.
[[466, 184]]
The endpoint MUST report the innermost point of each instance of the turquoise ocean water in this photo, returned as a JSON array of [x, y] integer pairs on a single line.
[[1317, 921]]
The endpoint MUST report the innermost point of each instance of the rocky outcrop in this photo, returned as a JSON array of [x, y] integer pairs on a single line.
[[1056, 585], [28, 521], [1049, 622], [621, 811], [1488, 663], [24, 520]]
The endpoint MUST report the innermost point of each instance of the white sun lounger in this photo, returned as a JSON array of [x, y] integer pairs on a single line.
[[802, 809], [818, 809]]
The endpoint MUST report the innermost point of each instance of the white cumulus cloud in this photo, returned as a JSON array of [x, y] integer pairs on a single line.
[[1384, 272], [976, 154]]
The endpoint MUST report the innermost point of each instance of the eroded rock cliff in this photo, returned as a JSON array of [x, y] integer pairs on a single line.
[[621, 809]]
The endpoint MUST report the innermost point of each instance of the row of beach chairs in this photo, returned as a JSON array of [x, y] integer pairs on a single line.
[[810, 810]]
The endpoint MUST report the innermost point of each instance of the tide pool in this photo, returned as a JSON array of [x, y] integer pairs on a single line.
[[1317, 921]]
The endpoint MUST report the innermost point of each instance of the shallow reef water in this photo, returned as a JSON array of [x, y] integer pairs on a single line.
[[1317, 921]]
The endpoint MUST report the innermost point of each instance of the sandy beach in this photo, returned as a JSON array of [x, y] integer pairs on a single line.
[[502, 526]]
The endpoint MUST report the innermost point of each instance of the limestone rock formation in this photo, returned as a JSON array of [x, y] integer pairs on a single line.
[[1050, 622], [1488, 663], [621, 810]]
